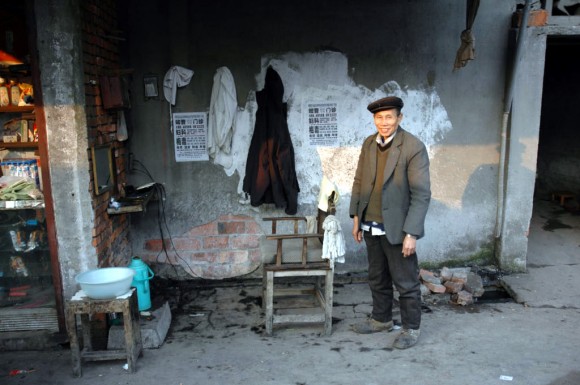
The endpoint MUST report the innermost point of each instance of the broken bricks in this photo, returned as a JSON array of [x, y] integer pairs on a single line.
[[461, 283]]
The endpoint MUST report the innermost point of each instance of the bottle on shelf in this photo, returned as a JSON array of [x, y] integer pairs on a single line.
[[14, 93], [4, 93]]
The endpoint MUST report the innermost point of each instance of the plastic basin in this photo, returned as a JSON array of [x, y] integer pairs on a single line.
[[106, 282]]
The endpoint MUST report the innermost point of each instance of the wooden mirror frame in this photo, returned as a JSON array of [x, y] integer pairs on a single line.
[[103, 171]]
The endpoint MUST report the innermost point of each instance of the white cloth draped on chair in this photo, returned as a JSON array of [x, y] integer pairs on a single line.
[[333, 247]]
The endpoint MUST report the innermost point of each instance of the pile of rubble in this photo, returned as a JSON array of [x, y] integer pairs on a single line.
[[462, 284]]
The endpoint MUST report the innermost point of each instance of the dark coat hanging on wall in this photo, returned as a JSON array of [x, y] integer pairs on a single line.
[[270, 168]]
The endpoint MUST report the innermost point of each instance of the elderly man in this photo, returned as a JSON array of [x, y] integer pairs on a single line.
[[390, 197]]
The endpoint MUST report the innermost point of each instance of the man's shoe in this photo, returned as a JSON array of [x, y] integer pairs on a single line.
[[407, 338], [371, 325]]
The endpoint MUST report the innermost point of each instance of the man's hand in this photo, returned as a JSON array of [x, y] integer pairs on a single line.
[[356, 231], [357, 235], [409, 245]]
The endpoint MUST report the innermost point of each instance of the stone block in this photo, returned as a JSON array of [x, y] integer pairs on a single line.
[[459, 277], [425, 290], [428, 276], [153, 330], [446, 274], [435, 288], [462, 298], [474, 285], [453, 287]]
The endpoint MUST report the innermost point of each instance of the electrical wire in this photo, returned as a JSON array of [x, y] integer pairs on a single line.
[[162, 222]]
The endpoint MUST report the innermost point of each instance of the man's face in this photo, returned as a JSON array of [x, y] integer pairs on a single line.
[[387, 122]]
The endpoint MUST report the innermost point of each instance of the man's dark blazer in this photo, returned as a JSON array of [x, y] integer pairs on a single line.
[[406, 188]]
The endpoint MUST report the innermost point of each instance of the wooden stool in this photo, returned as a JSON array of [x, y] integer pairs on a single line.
[[85, 306]]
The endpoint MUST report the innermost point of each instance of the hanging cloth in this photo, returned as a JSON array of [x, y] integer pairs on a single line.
[[122, 133], [333, 247], [222, 113], [174, 78], [466, 51], [270, 167]]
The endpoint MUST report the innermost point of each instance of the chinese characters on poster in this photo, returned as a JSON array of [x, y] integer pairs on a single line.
[[190, 136], [323, 124]]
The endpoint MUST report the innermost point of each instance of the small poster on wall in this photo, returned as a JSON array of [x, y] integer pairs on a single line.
[[322, 123], [190, 136]]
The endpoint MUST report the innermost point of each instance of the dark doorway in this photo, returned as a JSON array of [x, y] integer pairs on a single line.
[[558, 168], [555, 223]]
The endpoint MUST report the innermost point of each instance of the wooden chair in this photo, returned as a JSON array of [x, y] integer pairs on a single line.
[[296, 254]]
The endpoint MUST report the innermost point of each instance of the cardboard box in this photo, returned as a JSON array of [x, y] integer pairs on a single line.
[[10, 138]]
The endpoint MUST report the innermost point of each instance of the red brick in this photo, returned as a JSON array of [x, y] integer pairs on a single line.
[[236, 256], [462, 298], [245, 242], [435, 288], [216, 242], [156, 244], [207, 229], [206, 256], [223, 257], [231, 227], [181, 244], [231, 218], [453, 287], [459, 279], [429, 277]]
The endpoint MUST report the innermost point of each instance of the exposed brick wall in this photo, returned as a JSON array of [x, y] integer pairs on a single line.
[[225, 248], [101, 56]]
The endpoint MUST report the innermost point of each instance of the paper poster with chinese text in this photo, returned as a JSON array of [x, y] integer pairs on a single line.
[[190, 136], [322, 121]]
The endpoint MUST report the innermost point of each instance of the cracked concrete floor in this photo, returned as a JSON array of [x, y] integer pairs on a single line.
[[216, 337]]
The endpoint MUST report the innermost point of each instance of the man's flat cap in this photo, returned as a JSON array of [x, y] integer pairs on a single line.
[[385, 104]]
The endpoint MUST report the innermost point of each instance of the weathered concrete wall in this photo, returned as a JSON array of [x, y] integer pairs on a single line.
[[340, 52], [522, 154], [60, 56], [73, 53]]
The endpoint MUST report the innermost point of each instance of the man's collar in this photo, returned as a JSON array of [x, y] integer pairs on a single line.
[[388, 140]]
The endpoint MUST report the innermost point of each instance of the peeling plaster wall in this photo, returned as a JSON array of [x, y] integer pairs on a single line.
[[345, 53]]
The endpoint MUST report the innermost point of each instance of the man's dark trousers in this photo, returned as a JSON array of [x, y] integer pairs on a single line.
[[387, 266]]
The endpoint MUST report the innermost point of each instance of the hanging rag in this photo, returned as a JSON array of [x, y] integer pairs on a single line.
[[333, 247], [222, 113], [122, 133], [174, 78], [466, 51]]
